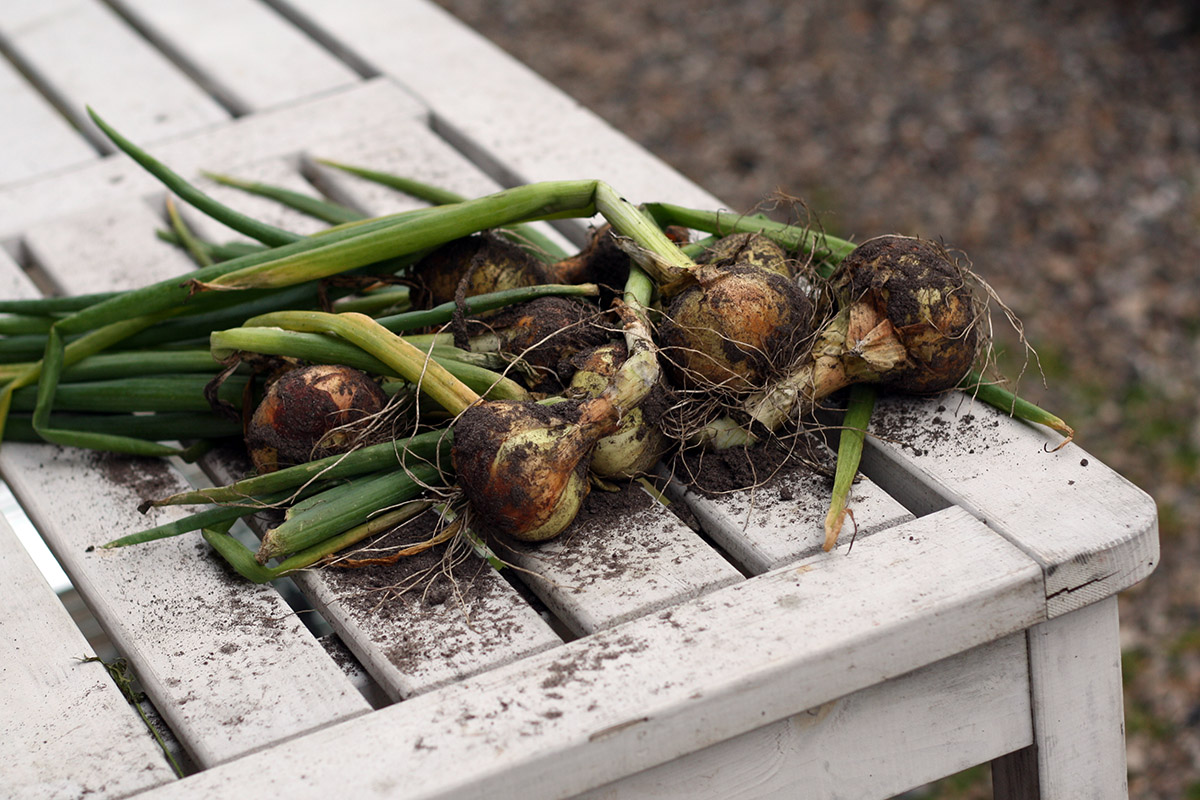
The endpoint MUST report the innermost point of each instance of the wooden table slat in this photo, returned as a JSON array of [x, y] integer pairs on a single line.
[[103, 249], [57, 144], [648, 691], [506, 117], [414, 641], [782, 521], [862, 745], [57, 706], [370, 108], [282, 171], [242, 51], [625, 556], [85, 55], [1093, 531], [414, 152]]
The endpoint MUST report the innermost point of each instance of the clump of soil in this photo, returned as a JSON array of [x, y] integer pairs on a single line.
[[713, 472]]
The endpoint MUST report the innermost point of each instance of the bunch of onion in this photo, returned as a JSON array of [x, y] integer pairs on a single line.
[[375, 240], [910, 319], [524, 467], [827, 252], [287, 263]]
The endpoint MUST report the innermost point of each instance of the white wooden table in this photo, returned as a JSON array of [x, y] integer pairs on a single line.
[[974, 620]]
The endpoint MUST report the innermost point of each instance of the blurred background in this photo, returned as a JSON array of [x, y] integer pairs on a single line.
[[1056, 143]]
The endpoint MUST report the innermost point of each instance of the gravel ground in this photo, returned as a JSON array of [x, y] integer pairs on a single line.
[[1058, 144]]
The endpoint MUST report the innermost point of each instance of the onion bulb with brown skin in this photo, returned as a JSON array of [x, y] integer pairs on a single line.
[[727, 327], [303, 413], [909, 320], [524, 467], [480, 263]]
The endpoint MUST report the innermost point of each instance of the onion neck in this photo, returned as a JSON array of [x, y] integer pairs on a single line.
[[859, 345]]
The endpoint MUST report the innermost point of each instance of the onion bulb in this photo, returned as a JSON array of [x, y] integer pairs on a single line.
[[908, 321], [728, 327], [637, 444], [480, 263], [305, 412], [524, 466]]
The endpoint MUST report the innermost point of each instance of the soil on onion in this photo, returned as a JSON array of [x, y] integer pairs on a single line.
[[548, 331], [476, 264], [480, 430]]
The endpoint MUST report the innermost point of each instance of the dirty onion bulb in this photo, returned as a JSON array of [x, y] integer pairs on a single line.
[[736, 318], [524, 466], [309, 412], [908, 320]]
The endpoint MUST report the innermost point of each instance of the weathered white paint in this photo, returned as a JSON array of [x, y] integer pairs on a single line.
[[229, 665], [88, 56], [1078, 715], [1093, 532], [57, 707], [952, 715], [653, 689], [410, 150], [111, 247], [282, 171], [241, 51], [56, 145], [406, 641]]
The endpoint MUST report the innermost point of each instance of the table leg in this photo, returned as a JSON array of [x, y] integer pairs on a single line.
[[1078, 716]]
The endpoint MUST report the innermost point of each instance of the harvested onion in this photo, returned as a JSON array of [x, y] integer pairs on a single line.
[[308, 413], [524, 466], [637, 443], [908, 321], [727, 328]]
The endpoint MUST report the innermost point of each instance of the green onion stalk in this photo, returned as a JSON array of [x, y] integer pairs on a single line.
[[288, 261]]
